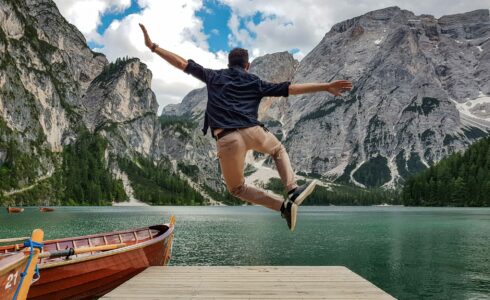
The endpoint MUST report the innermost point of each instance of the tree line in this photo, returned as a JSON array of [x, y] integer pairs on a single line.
[[462, 179], [157, 184], [83, 177], [341, 194]]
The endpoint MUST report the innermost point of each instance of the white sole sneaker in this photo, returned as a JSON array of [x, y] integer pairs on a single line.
[[306, 192], [294, 213]]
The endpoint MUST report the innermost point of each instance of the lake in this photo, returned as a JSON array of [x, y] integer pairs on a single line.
[[412, 253]]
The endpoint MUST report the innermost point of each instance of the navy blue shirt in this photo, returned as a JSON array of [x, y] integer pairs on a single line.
[[234, 95]]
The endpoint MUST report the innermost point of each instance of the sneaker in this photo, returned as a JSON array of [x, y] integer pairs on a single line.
[[299, 194], [289, 211]]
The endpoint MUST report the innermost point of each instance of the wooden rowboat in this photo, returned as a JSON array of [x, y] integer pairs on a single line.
[[93, 274], [46, 209], [14, 210], [12, 265]]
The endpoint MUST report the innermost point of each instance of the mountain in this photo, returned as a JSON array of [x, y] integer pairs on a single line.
[[421, 92], [411, 74], [74, 128], [462, 179]]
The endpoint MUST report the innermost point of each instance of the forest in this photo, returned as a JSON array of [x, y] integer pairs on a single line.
[[157, 184], [82, 178], [462, 179], [85, 176]]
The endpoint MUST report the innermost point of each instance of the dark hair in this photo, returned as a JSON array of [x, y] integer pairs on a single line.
[[238, 57]]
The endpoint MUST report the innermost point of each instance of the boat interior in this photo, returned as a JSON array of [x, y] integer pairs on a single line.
[[126, 237]]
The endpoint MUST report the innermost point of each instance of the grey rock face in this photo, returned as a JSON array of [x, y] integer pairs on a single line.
[[408, 72], [193, 104], [45, 68], [82, 63], [188, 146], [119, 95], [277, 67], [120, 105]]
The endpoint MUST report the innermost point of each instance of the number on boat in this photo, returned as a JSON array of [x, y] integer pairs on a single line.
[[12, 277]]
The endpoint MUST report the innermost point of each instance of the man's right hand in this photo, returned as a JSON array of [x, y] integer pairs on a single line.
[[148, 41]]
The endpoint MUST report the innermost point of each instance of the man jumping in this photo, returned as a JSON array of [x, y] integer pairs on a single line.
[[234, 96]]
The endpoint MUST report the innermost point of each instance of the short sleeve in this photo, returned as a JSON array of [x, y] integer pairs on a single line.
[[198, 71], [269, 89]]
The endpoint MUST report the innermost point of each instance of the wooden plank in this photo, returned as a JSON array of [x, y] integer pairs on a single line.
[[248, 278], [266, 269], [257, 282]]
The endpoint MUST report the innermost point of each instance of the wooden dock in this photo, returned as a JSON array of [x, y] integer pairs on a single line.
[[266, 282]]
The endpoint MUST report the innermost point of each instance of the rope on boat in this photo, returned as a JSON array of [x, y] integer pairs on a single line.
[[14, 239], [29, 243]]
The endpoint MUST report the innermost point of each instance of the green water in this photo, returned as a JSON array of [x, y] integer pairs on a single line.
[[412, 253]]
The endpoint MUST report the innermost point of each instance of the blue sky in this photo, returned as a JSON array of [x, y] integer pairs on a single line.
[[215, 16]]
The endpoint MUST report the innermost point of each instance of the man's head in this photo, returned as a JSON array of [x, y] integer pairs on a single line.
[[238, 57]]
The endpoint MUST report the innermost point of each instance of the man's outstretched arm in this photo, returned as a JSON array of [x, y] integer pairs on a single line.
[[336, 88], [170, 57]]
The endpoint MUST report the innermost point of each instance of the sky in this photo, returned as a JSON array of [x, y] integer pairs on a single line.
[[205, 30]]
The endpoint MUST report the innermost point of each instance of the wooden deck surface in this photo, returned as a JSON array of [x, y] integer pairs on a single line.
[[266, 282]]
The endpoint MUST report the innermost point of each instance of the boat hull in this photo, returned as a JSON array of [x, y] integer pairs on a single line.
[[96, 277], [10, 269], [46, 209], [14, 210], [89, 275]]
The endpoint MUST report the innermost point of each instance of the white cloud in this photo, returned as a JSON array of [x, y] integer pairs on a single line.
[[86, 14], [290, 24]]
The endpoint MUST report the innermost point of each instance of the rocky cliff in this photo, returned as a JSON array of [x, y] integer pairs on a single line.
[[421, 93], [45, 70], [65, 112], [411, 74]]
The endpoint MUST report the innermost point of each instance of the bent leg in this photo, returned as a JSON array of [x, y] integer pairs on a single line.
[[257, 196], [265, 142], [231, 152], [283, 165]]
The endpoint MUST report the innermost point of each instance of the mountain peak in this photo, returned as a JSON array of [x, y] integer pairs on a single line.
[[373, 18], [275, 67]]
